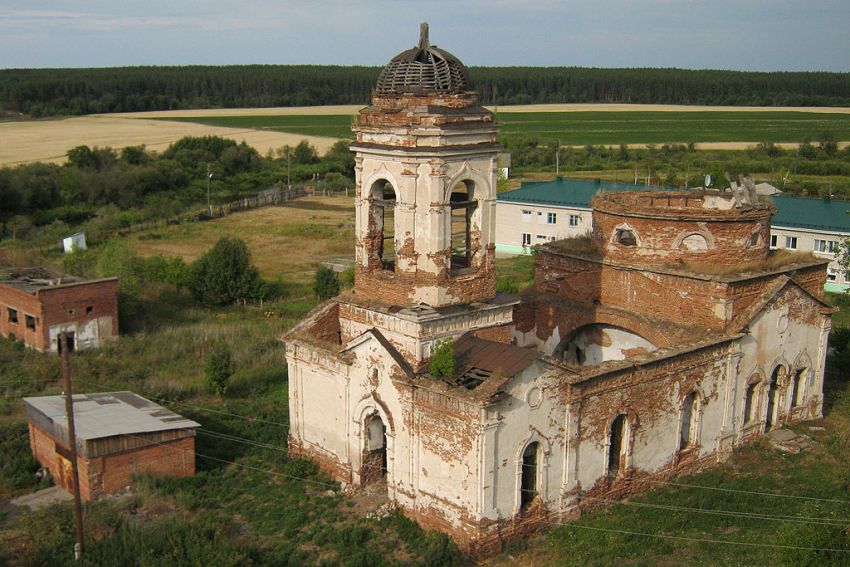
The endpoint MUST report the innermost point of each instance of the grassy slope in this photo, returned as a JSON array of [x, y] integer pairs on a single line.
[[581, 128]]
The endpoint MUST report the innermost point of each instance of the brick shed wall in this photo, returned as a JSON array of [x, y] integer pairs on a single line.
[[112, 473], [81, 305], [90, 309], [25, 304]]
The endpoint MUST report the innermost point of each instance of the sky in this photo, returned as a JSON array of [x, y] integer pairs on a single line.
[[755, 35]]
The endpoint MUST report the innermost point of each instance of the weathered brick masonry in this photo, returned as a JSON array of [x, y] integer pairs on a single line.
[[89, 309]]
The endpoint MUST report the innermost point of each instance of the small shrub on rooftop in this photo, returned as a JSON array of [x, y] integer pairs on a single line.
[[442, 364]]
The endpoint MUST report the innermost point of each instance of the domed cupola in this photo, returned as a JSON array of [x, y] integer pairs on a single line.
[[424, 69]]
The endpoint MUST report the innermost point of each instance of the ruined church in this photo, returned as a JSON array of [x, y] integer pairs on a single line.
[[656, 345]]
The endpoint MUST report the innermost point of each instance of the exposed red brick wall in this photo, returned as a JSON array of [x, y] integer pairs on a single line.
[[393, 288], [660, 219], [500, 334], [112, 473], [55, 305], [326, 462], [172, 459], [683, 300], [25, 304]]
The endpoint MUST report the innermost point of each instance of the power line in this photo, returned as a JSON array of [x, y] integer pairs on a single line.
[[708, 540], [242, 440], [751, 492], [748, 515], [223, 435], [242, 465], [201, 408]]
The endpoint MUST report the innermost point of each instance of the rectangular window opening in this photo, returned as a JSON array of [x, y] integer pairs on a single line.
[[30, 322], [13, 315]]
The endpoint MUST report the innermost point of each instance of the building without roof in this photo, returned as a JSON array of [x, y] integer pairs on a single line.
[[648, 348], [36, 307], [119, 434], [544, 211]]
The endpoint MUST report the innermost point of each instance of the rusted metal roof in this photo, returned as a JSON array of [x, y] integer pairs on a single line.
[[477, 359], [423, 69]]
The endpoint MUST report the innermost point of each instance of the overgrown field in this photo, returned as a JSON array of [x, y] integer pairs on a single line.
[[612, 128], [286, 242]]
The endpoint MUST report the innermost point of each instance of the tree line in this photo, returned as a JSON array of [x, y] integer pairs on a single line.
[[813, 168], [52, 92], [101, 189]]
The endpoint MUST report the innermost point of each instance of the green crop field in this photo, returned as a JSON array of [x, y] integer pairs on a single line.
[[334, 126], [581, 128]]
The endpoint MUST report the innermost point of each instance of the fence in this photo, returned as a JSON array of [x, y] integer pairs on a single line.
[[270, 197]]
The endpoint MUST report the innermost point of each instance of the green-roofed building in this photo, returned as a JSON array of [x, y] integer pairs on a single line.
[[542, 211]]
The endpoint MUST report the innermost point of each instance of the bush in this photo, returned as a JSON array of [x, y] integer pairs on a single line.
[[326, 284], [225, 274], [219, 368], [442, 364]]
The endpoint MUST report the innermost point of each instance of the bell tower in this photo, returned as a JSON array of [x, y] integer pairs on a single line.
[[425, 155]]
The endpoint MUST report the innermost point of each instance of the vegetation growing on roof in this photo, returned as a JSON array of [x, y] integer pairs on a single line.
[[442, 363]]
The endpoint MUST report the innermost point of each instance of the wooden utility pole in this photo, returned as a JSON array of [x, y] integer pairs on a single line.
[[65, 350]]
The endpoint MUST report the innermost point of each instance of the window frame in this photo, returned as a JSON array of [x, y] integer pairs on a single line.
[[551, 217]]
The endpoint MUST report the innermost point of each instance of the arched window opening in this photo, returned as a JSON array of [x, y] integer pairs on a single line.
[[694, 242], [616, 445], [690, 409], [625, 237], [374, 451], [776, 377], [528, 480], [597, 343], [749, 399], [462, 203], [797, 384], [383, 219]]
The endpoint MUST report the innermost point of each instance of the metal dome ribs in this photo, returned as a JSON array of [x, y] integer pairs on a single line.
[[423, 69]]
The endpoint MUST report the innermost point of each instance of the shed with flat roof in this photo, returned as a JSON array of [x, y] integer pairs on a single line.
[[118, 434]]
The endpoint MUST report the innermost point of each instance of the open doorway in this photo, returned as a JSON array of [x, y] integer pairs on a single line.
[[374, 468]]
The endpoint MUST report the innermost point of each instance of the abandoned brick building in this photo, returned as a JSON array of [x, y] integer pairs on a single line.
[[655, 346], [119, 434], [36, 307]]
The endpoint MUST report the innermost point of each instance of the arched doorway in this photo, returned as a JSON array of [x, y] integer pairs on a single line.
[[374, 467], [617, 446]]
